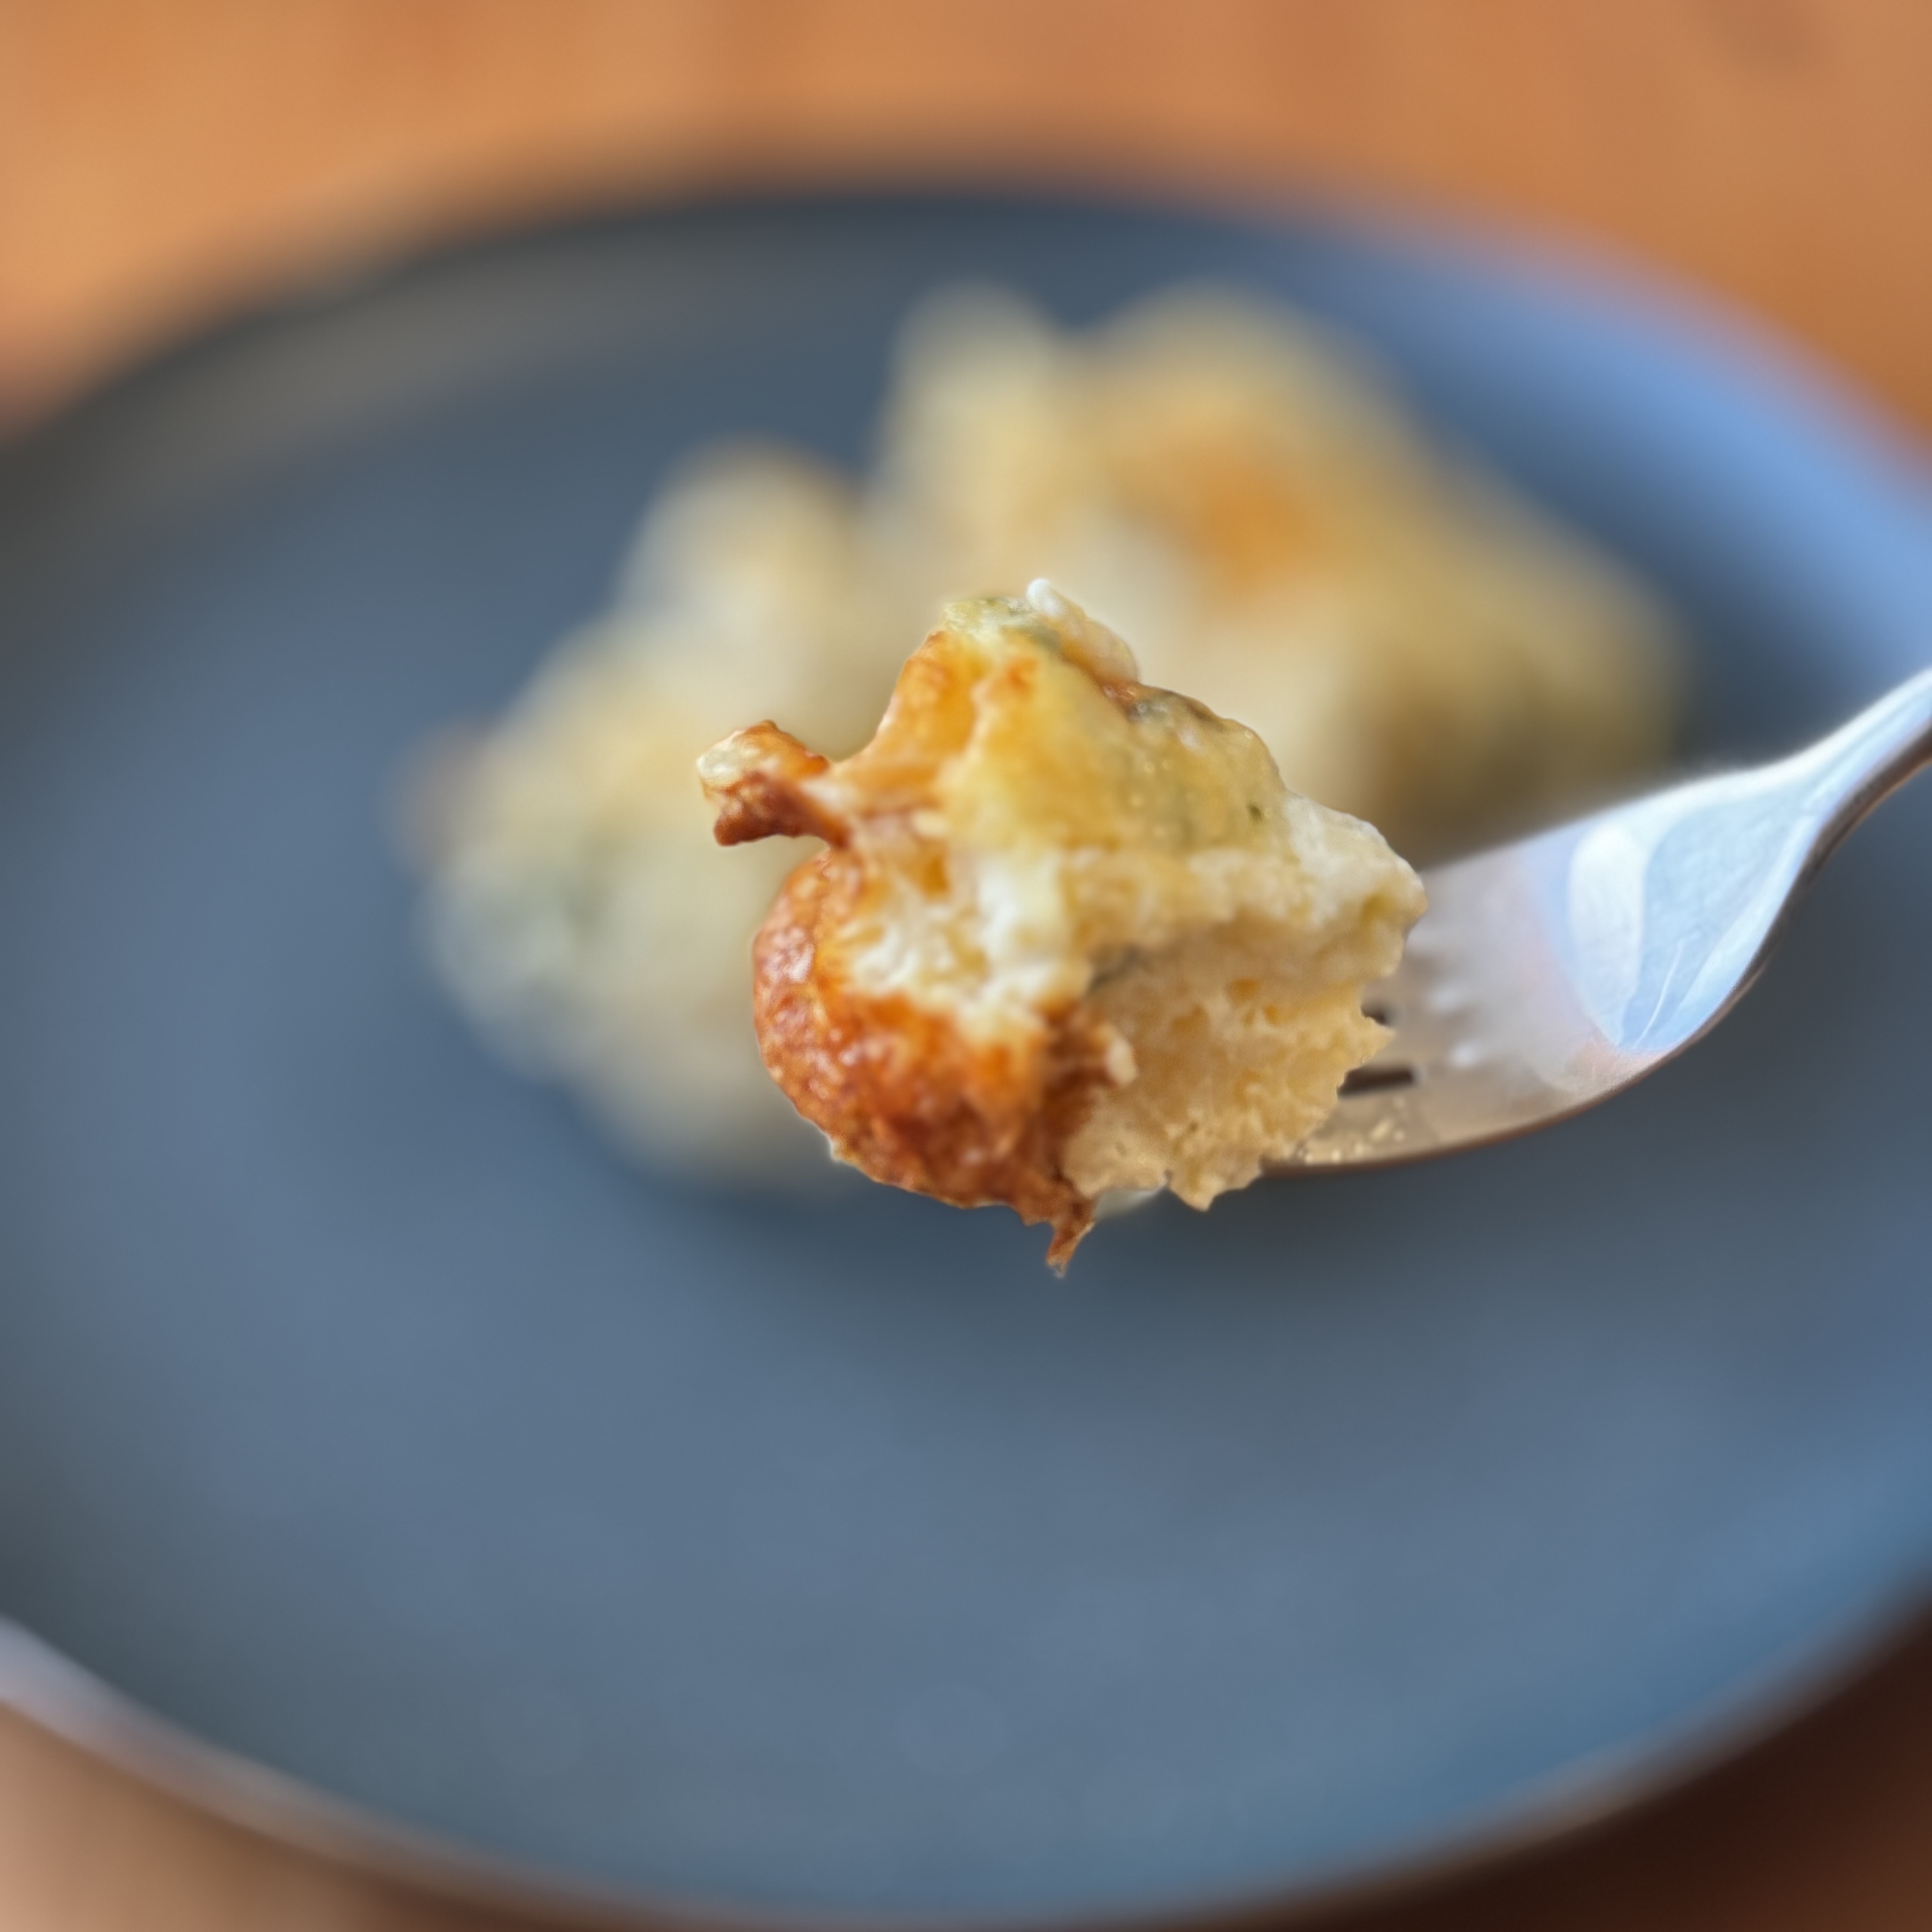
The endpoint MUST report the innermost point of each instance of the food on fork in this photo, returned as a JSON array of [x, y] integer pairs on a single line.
[[1069, 933]]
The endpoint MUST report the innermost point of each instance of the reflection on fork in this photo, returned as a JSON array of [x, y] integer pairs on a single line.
[[1548, 975]]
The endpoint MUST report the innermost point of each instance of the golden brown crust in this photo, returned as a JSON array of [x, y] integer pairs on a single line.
[[757, 784], [901, 1094]]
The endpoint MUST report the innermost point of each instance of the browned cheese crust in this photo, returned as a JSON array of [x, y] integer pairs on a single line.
[[901, 1094]]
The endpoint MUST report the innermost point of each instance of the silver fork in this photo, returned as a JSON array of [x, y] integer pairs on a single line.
[[1548, 975]]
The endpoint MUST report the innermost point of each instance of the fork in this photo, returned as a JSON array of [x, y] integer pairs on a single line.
[[1548, 975]]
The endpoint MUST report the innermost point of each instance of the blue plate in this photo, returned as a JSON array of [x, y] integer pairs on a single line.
[[363, 1420]]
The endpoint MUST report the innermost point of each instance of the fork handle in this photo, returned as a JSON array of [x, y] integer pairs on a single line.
[[1865, 761]]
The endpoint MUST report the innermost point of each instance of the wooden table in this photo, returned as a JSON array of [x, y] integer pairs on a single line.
[[160, 159]]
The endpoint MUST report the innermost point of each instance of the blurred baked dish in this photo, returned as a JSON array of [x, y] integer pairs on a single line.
[[1069, 933], [1210, 476], [577, 907]]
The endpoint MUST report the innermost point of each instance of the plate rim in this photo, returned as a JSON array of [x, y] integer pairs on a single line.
[[54, 1694]]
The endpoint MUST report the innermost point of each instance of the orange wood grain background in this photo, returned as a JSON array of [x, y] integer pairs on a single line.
[[161, 160], [158, 157]]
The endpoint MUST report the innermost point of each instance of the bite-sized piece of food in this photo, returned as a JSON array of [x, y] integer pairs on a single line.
[[1070, 932]]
